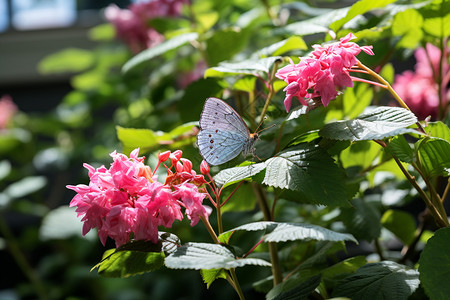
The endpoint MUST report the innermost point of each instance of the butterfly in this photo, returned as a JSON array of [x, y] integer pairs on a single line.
[[223, 134]]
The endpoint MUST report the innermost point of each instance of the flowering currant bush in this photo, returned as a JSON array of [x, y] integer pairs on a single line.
[[126, 202], [360, 163]]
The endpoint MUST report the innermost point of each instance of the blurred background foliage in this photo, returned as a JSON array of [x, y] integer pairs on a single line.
[[80, 94]]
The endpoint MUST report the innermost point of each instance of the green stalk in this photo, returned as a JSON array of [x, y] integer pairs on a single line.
[[271, 90]]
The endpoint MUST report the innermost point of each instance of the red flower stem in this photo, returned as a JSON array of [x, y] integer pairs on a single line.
[[210, 229], [390, 89], [239, 185], [253, 248], [368, 81], [356, 70]]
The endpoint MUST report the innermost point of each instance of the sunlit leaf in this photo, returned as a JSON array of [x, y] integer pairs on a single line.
[[434, 156], [379, 123], [400, 223], [400, 148], [230, 176], [67, 60], [159, 49], [379, 281], [202, 256], [282, 232]]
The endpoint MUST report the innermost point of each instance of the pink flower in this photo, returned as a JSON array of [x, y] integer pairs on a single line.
[[323, 74], [419, 89], [132, 24], [7, 110], [126, 201]]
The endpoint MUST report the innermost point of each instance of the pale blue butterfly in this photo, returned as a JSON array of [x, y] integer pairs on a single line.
[[223, 134]]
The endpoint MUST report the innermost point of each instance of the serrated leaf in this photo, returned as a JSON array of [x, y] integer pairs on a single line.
[[203, 256], [123, 264], [246, 67], [159, 49], [434, 265], [307, 169], [282, 232], [363, 220], [231, 176], [439, 130], [400, 148], [400, 223], [377, 281], [361, 154], [434, 156], [209, 276], [298, 288], [359, 8], [379, 123]]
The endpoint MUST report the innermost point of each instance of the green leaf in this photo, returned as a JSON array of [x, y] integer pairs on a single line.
[[231, 176], [379, 123], [363, 220], [159, 49], [279, 48], [400, 148], [388, 73], [25, 186], [282, 232], [434, 156], [439, 130], [123, 264], [339, 271], [319, 24], [67, 60], [246, 67], [5, 168], [359, 8], [356, 100], [299, 288], [437, 18], [243, 199], [379, 281], [400, 223], [408, 25], [361, 154], [309, 170], [224, 44], [203, 256], [209, 276], [102, 32], [61, 223], [246, 84], [434, 265], [132, 138]]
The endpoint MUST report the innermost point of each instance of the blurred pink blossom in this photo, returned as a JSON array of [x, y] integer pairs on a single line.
[[131, 24], [7, 110], [126, 201], [323, 74], [419, 89]]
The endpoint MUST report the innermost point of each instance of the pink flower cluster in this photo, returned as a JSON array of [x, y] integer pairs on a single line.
[[323, 74], [126, 202], [132, 24], [7, 110], [419, 89]]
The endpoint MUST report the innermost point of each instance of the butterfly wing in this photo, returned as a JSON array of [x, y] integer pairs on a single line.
[[223, 134]]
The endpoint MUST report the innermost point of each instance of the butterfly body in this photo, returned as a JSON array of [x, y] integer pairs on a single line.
[[223, 134]]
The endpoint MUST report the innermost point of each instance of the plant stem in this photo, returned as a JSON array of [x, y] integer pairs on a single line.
[[390, 89], [210, 230], [271, 89], [21, 261], [237, 285], [276, 267]]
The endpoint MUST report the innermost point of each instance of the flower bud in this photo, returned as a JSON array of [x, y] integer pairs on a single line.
[[163, 156], [204, 167], [175, 156], [179, 167], [187, 165]]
